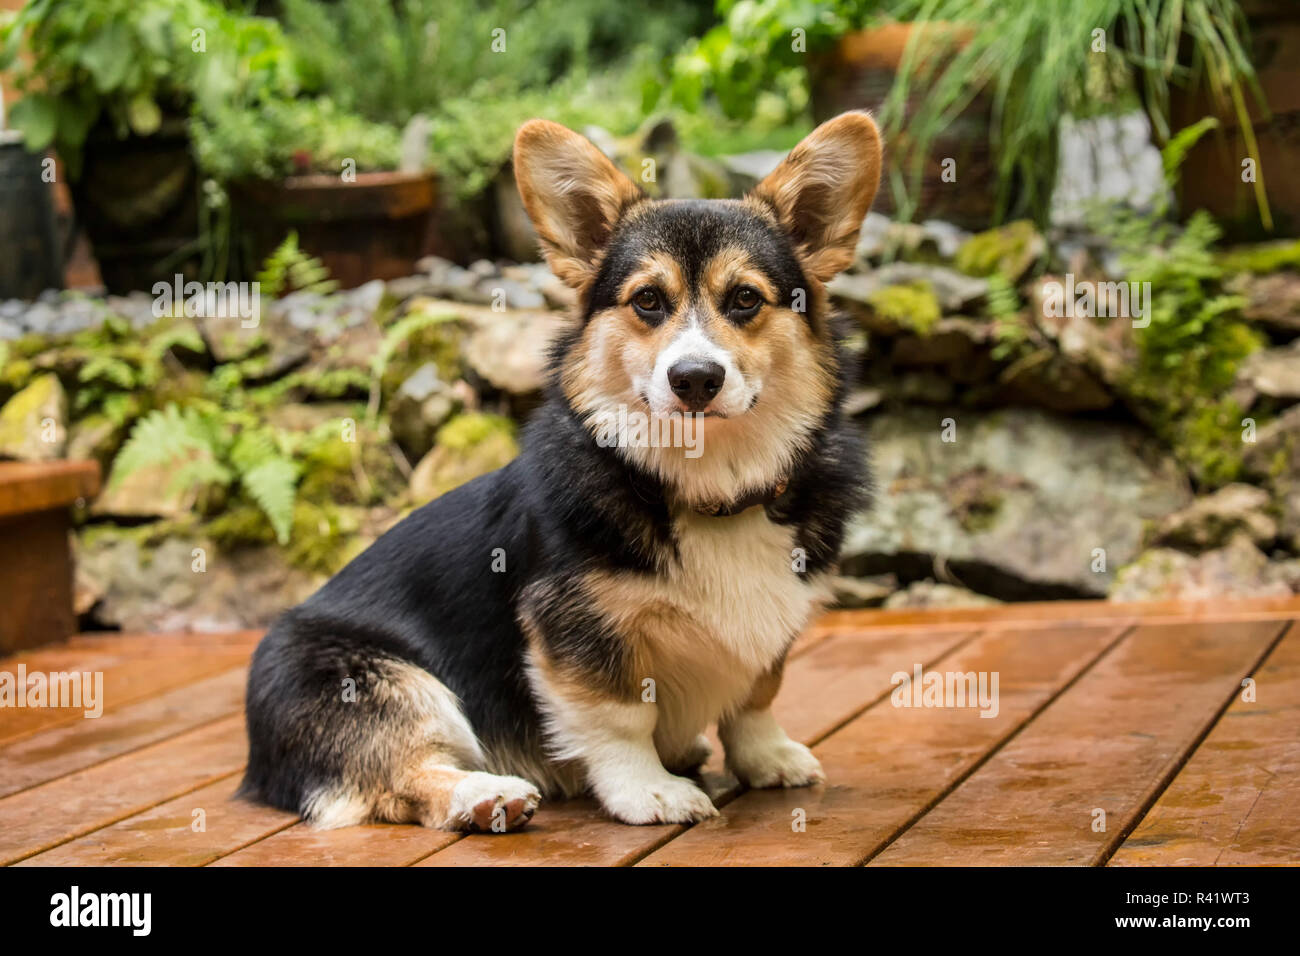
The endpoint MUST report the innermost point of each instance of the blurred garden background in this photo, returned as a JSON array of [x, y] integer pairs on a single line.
[[352, 157]]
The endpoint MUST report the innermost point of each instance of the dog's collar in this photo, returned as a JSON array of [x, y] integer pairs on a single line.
[[764, 497]]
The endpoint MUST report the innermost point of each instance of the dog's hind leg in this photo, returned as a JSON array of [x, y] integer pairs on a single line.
[[449, 798], [361, 738]]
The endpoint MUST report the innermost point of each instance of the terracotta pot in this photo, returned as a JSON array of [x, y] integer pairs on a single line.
[[372, 228], [1212, 171], [858, 73]]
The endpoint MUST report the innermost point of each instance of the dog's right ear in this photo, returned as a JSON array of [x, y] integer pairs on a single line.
[[573, 194]]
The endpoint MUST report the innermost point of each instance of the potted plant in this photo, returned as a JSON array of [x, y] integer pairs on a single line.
[[31, 260], [110, 85], [1212, 172], [307, 166], [1038, 66]]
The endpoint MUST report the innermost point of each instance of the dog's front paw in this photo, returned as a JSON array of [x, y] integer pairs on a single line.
[[670, 800], [781, 763]]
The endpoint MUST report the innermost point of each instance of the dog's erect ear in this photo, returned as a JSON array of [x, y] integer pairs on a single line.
[[823, 189], [573, 194]]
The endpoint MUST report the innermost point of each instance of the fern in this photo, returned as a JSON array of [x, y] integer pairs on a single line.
[[290, 269], [215, 448], [273, 484], [394, 338], [184, 441]]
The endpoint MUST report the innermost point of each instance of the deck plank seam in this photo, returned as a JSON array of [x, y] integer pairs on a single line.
[[135, 811], [1124, 631], [125, 753], [1176, 765]]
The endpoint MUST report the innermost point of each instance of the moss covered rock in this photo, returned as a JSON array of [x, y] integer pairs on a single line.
[[469, 445], [1010, 250], [34, 422]]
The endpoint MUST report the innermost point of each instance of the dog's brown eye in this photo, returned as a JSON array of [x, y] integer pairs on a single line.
[[744, 303], [647, 300]]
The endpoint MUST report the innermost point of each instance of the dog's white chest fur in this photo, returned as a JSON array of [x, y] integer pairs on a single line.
[[741, 578], [718, 618]]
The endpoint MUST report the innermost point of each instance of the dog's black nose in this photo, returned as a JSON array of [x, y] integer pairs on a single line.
[[695, 382]]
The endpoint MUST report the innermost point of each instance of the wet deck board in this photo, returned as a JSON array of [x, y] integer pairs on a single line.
[[1134, 710]]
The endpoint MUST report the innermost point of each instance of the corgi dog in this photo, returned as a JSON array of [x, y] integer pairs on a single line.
[[573, 622]]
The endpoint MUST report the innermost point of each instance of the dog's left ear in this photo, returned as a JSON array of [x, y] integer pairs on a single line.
[[823, 189], [573, 194]]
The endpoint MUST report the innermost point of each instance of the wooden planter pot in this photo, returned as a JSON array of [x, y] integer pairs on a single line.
[[858, 73], [373, 228], [1212, 171]]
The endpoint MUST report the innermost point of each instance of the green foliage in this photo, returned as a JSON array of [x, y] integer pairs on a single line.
[[290, 269], [751, 63], [202, 448], [395, 337], [282, 137], [1189, 354], [416, 56], [912, 305], [1038, 66], [1262, 258], [130, 62], [1010, 329]]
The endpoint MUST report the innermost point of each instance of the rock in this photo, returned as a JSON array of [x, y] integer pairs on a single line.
[[421, 405], [1238, 569], [1210, 522], [747, 170], [9, 330], [862, 592], [1046, 380], [1106, 349], [935, 594], [96, 437], [469, 445], [946, 237], [1275, 452], [953, 290], [302, 417], [147, 492], [949, 342], [1011, 250], [508, 349], [1271, 300], [511, 294], [138, 585], [33, 423], [1016, 506], [1274, 373]]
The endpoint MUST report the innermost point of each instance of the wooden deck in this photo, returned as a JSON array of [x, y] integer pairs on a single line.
[[1123, 736]]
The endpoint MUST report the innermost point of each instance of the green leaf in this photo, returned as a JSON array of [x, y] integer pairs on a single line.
[[36, 116], [107, 56], [273, 485], [143, 115]]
